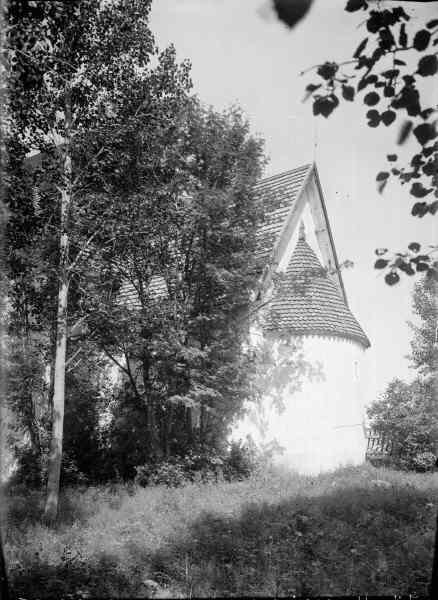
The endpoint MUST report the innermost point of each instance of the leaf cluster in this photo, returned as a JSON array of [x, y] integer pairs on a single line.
[[390, 87]]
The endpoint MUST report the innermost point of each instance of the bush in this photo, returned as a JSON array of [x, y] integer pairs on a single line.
[[200, 464], [204, 464], [31, 468], [70, 473], [241, 462], [167, 473], [407, 415], [425, 461]]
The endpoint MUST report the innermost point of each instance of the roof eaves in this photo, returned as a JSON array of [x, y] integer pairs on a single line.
[[329, 231]]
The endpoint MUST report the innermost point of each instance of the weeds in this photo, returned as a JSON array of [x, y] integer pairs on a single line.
[[276, 534]]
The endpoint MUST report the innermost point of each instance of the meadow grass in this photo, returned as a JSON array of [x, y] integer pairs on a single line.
[[275, 534]]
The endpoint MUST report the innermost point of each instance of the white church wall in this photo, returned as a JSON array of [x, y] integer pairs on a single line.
[[321, 426]]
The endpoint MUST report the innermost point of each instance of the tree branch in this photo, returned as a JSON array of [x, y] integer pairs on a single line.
[[82, 250]]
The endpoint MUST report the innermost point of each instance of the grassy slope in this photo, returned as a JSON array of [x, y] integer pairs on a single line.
[[280, 534]]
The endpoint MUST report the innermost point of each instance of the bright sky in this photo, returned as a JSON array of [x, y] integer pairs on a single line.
[[241, 54]]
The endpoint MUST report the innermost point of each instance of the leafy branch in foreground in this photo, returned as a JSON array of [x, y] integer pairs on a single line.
[[390, 69]]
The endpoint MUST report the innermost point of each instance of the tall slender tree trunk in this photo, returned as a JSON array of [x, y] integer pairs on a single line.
[[4, 587], [152, 430], [55, 455]]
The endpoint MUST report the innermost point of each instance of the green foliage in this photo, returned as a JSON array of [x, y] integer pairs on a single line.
[[394, 88], [241, 462], [87, 84], [202, 463], [181, 351], [343, 536], [424, 343], [407, 415]]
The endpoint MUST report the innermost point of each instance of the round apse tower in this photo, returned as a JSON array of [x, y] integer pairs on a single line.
[[321, 426]]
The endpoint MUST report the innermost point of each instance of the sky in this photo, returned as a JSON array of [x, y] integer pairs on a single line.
[[241, 54]]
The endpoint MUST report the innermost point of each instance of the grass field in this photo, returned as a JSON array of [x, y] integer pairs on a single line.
[[277, 534]]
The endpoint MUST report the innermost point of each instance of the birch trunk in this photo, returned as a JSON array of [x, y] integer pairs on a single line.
[[55, 456]]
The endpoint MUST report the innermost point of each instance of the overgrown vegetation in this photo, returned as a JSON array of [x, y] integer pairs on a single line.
[[406, 414], [133, 186], [389, 70], [358, 530]]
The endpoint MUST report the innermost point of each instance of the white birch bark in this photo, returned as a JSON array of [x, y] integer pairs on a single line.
[[55, 456]]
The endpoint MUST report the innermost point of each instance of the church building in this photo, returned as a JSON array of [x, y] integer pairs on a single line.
[[302, 296]]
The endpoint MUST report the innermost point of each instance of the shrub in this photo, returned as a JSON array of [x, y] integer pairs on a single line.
[[167, 473], [31, 468], [407, 415], [242, 461], [424, 461]]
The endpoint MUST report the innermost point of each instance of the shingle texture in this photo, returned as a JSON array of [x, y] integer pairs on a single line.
[[307, 301], [156, 290], [277, 195]]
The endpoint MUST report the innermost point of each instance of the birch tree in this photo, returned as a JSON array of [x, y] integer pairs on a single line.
[[80, 72]]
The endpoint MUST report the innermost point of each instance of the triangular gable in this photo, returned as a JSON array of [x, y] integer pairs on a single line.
[[286, 198]]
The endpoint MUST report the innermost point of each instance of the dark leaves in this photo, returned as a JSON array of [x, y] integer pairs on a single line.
[[381, 263], [388, 117], [381, 186], [432, 24], [324, 105], [404, 132], [433, 207], [348, 92], [366, 81], [360, 48], [424, 133], [403, 38], [328, 70], [389, 91], [371, 99], [421, 267], [419, 191], [392, 157], [406, 267], [421, 40], [392, 278], [353, 5], [373, 117], [414, 246], [428, 65], [381, 251], [419, 209], [291, 11], [382, 180], [375, 22], [312, 87], [391, 73], [409, 99]]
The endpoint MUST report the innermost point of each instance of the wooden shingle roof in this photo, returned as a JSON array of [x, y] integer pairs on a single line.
[[277, 195], [307, 302], [156, 290]]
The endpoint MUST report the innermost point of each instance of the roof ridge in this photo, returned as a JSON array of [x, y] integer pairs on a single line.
[[267, 180]]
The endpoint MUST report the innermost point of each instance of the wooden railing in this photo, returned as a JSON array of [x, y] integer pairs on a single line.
[[379, 448]]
